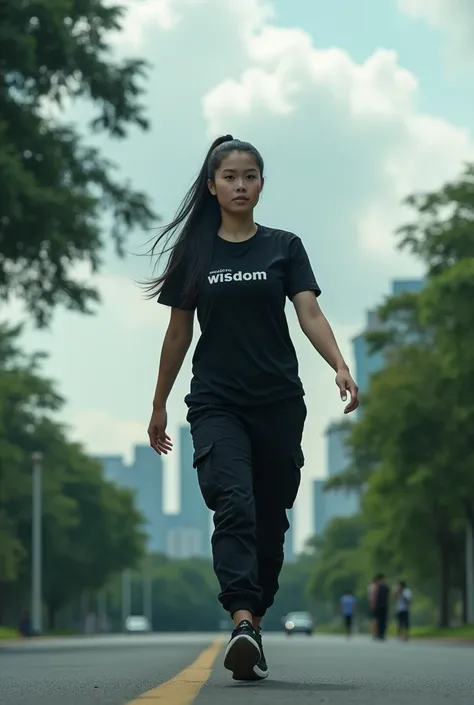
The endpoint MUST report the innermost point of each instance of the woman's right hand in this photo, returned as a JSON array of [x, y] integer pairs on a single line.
[[159, 439]]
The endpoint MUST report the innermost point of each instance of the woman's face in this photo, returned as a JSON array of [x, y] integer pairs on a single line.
[[237, 183]]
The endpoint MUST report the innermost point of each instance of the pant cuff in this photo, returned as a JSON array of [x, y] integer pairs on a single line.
[[242, 605]]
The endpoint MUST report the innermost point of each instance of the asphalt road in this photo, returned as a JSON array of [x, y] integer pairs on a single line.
[[184, 669]]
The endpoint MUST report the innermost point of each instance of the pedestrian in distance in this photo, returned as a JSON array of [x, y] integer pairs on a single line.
[[371, 592], [403, 599], [245, 406], [349, 611], [381, 606]]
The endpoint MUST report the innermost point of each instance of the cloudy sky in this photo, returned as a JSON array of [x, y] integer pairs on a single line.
[[353, 105]]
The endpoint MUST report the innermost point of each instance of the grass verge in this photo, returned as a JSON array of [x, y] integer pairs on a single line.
[[8, 633], [466, 632], [426, 632]]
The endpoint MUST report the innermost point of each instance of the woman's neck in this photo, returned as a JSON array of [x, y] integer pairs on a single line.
[[237, 229]]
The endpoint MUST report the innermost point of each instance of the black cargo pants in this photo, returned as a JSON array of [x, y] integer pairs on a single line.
[[249, 462]]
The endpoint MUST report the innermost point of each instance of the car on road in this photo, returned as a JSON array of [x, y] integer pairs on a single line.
[[137, 624], [299, 623]]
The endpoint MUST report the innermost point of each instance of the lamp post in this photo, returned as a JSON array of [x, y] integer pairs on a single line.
[[126, 597], [148, 591], [36, 544]]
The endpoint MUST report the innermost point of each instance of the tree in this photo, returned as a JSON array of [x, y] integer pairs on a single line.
[[56, 188], [24, 395], [91, 528], [98, 536], [338, 562], [412, 449]]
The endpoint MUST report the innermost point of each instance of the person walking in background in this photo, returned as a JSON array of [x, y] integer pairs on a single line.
[[381, 606], [371, 591], [349, 611], [403, 597], [26, 625], [245, 407]]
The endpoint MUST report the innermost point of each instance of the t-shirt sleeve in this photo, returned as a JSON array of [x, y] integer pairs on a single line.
[[172, 292], [299, 275]]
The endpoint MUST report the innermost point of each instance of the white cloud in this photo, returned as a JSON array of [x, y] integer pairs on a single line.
[[453, 17], [145, 16], [294, 95], [343, 142]]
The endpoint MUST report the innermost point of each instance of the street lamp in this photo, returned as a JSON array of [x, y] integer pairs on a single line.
[[148, 591], [126, 597], [36, 544]]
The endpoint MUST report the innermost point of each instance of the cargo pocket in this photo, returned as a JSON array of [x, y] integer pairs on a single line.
[[203, 462], [294, 478]]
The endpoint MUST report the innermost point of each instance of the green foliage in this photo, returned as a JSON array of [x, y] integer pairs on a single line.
[[55, 188], [339, 564], [91, 528], [411, 449]]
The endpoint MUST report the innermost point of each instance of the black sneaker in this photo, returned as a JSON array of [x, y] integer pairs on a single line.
[[243, 652], [261, 669]]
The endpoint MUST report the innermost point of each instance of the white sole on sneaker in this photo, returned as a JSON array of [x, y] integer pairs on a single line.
[[241, 656], [261, 675]]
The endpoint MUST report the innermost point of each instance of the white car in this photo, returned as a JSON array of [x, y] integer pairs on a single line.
[[299, 623], [137, 624]]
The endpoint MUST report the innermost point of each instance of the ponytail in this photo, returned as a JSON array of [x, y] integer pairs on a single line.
[[190, 236]]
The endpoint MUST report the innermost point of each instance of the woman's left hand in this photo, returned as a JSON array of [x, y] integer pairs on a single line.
[[346, 384]]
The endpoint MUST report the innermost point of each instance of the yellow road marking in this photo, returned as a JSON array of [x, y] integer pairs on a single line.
[[183, 688]]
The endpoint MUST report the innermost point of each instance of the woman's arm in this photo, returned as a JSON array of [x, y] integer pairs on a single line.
[[315, 326], [176, 344]]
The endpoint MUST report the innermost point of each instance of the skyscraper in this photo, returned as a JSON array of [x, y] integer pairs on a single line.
[[145, 478], [114, 468], [367, 363], [319, 507], [333, 503], [194, 518]]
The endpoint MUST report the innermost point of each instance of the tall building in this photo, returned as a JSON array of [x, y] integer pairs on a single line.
[[366, 364], [331, 504], [194, 516], [114, 468], [145, 478], [181, 541], [181, 535], [319, 507]]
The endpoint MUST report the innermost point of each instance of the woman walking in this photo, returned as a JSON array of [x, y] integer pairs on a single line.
[[245, 406]]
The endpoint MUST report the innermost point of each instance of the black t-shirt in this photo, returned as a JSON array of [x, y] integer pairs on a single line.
[[245, 355]]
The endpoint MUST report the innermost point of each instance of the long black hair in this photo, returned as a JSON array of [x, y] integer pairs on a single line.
[[195, 224]]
